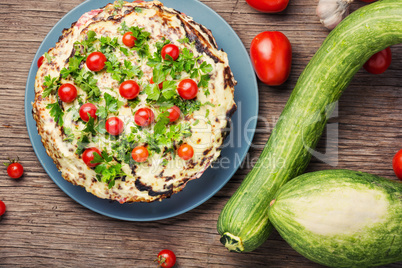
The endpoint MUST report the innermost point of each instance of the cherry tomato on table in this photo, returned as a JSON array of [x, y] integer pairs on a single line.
[[379, 62], [14, 169], [166, 258], [140, 154], [185, 151], [187, 89], [129, 89], [397, 164], [271, 56], [96, 61], [268, 6], [88, 156], [88, 108], [40, 61], [174, 113], [143, 117], [114, 126], [2, 208], [67, 92], [171, 50], [129, 39]]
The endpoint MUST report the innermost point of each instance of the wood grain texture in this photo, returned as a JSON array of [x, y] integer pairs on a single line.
[[44, 227]]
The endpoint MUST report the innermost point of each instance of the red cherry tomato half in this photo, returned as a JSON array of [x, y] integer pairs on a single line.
[[140, 154], [88, 108], [171, 50], [88, 156], [67, 92], [15, 170], [397, 164], [166, 258], [187, 89], [143, 117], [2, 208], [185, 151], [129, 39], [271, 56], [96, 61], [160, 85], [268, 6], [174, 113], [40, 61], [379, 62], [129, 89], [114, 126]]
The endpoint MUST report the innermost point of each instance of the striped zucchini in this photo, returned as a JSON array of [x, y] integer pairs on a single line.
[[243, 222], [341, 218]]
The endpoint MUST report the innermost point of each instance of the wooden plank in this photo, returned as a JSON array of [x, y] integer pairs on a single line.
[[44, 227]]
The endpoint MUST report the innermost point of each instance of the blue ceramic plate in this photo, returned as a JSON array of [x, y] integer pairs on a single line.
[[237, 143]]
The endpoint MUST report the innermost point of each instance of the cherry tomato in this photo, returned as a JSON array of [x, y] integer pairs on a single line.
[[166, 258], [96, 61], [143, 117], [15, 170], [40, 61], [160, 85], [185, 151], [88, 156], [129, 39], [397, 164], [88, 108], [114, 126], [379, 62], [174, 113], [140, 154], [171, 50], [271, 56], [67, 92], [129, 89], [187, 89], [2, 208], [268, 6], [368, 1]]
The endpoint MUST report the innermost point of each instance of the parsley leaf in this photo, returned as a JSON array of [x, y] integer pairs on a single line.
[[112, 105], [90, 126], [169, 89], [152, 92], [48, 57], [69, 134], [82, 143], [50, 84], [183, 40], [107, 172], [56, 112], [162, 122]]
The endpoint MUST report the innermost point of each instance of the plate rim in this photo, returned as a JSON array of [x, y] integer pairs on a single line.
[[33, 130]]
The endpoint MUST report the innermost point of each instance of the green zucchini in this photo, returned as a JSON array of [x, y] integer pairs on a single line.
[[243, 223], [341, 218]]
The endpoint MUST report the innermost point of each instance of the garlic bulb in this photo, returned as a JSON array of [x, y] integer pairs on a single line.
[[331, 12]]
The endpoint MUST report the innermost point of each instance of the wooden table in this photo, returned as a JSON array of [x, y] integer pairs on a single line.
[[43, 226]]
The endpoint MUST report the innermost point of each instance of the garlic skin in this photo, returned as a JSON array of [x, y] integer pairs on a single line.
[[331, 12]]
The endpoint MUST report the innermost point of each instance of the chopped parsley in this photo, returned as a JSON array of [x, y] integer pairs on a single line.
[[48, 57], [107, 171], [51, 84], [112, 105], [56, 112]]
